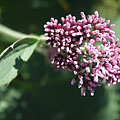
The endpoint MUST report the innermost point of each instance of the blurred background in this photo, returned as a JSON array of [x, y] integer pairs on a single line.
[[40, 92]]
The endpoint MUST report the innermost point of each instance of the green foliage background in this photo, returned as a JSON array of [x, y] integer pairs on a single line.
[[41, 92]]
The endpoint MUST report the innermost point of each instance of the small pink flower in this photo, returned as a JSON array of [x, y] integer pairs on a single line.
[[88, 47]]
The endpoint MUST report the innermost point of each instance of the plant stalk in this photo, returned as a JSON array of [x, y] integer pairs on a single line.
[[9, 35]]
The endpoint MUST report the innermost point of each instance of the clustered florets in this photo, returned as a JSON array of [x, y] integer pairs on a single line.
[[88, 47]]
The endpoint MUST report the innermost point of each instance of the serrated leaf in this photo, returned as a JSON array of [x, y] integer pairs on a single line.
[[14, 56]]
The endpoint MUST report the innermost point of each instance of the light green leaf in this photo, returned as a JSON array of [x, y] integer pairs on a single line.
[[14, 56]]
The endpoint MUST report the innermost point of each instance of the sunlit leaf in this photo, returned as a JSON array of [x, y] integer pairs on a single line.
[[14, 56]]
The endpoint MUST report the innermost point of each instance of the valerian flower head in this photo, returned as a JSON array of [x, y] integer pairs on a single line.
[[88, 47]]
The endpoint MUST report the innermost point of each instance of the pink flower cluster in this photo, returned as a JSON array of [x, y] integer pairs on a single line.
[[88, 47]]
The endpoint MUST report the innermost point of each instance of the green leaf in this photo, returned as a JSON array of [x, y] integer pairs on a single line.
[[14, 56]]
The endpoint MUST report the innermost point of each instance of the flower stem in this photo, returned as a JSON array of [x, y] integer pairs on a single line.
[[9, 35]]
